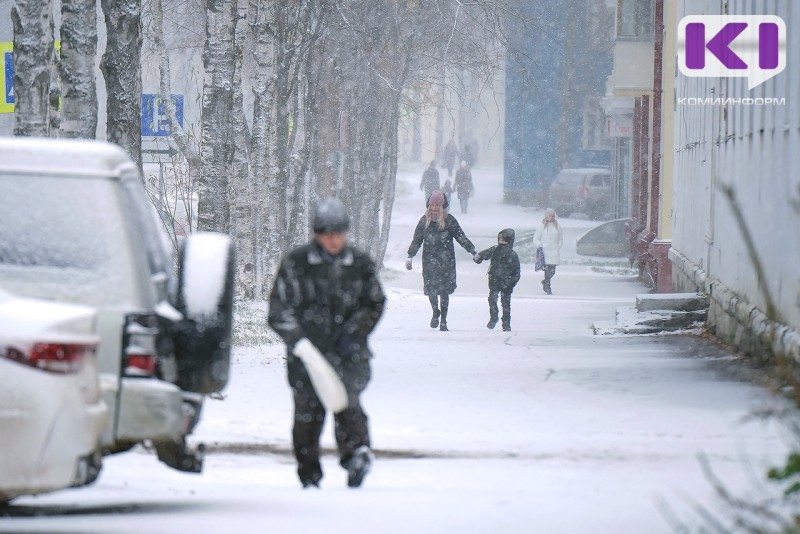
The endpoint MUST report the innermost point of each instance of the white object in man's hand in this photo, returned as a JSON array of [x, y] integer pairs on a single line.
[[326, 382]]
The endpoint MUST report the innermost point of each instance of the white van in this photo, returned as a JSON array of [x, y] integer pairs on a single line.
[[78, 228]]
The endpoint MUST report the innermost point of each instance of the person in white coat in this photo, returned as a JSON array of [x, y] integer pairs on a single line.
[[550, 237]]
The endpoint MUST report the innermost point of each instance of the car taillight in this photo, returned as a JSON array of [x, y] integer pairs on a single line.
[[140, 364], [140, 357], [60, 358], [583, 192]]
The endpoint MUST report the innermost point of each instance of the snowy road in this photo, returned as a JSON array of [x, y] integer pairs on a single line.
[[544, 429]]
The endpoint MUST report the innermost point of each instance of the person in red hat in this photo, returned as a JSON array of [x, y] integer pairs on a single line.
[[437, 229]]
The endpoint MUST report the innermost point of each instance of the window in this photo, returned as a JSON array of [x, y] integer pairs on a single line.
[[635, 18]]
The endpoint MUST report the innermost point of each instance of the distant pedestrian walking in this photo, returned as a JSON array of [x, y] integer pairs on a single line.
[[469, 156], [448, 190], [463, 186], [435, 233], [504, 273], [450, 157], [325, 301], [550, 238], [430, 180]]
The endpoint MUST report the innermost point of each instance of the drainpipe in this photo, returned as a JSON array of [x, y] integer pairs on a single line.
[[658, 49], [644, 150], [659, 249], [633, 225]]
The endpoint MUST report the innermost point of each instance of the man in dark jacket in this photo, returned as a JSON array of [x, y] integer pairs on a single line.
[[504, 272], [325, 301], [430, 180]]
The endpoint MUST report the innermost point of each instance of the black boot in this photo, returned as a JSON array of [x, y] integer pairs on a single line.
[[444, 303], [492, 323], [435, 318], [434, 300]]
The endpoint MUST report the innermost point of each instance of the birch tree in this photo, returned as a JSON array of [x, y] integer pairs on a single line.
[[327, 79], [216, 145], [261, 60], [241, 187], [373, 53], [121, 67], [78, 84], [35, 93], [296, 31], [281, 38]]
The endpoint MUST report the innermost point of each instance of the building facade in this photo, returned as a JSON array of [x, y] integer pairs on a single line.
[[556, 70], [715, 195]]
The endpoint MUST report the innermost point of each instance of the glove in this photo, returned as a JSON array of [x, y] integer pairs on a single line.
[[408, 264], [326, 382], [477, 258], [348, 344]]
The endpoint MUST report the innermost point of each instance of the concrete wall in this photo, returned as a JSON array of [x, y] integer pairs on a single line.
[[633, 66], [753, 149]]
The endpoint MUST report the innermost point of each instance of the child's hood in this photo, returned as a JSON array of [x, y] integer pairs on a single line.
[[508, 236]]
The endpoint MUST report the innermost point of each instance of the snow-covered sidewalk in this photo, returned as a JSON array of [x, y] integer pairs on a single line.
[[546, 428]]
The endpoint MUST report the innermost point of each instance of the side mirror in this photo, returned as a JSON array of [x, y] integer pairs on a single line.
[[206, 265]]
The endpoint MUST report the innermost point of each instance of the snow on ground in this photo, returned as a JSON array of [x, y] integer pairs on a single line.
[[544, 429]]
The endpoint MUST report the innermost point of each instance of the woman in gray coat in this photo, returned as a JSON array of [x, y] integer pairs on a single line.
[[435, 233]]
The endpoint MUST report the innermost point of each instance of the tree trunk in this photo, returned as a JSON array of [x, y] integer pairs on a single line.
[[295, 29], [364, 89], [260, 17], [388, 200], [34, 57], [241, 186], [216, 147], [121, 67], [78, 51]]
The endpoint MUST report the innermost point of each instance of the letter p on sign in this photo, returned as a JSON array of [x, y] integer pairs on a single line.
[[746, 46]]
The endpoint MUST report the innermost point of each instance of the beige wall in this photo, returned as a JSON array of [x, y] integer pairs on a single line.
[[668, 120]]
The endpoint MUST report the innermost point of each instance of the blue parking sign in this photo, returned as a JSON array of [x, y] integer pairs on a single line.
[[154, 116], [9, 74]]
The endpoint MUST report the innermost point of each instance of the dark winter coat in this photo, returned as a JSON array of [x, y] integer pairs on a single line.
[[463, 183], [469, 157], [450, 155], [334, 302], [430, 181], [439, 254], [504, 270]]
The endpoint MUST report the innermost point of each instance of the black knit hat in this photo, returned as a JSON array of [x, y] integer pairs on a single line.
[[331, 216]]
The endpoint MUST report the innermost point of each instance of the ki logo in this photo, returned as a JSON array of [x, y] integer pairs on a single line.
[[752, 47]]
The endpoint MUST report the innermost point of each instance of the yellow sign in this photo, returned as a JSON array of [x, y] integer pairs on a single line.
[[6, 78]]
